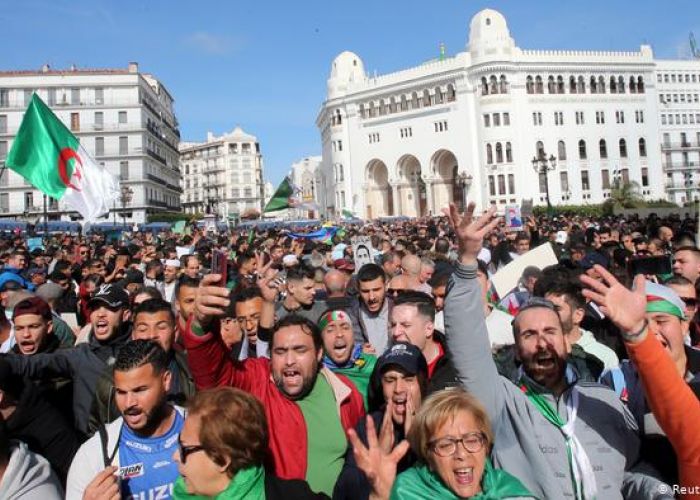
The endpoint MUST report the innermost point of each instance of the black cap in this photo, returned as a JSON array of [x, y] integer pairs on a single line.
[[404, 355], [112, 296]]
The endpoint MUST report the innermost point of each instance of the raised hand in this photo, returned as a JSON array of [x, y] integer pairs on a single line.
[[625, 308], [269, 288], [470, 233], [386, 433], [104, 486], [378, 466], [211, 300]]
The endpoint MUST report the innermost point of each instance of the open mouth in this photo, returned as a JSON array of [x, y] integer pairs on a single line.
[[464, 475], [102, 327], [133, 416], [399, 405], [292, 377], [340, 348], [545, 361]]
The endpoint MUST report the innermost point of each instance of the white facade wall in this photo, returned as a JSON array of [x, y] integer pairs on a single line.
[[123, 118], [223, 174], [410, 142]]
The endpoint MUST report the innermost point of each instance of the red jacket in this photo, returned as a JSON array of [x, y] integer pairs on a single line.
[[212, 366], [675, 407]]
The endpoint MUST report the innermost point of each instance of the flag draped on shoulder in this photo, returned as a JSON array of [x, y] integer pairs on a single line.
[[52, 160]]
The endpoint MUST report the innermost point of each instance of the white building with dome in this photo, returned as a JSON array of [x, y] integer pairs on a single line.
[[467, 127]]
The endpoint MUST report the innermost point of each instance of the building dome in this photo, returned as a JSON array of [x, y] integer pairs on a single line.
[[347, 69], [489, 37]]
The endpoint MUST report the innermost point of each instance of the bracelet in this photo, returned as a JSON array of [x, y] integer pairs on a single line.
[[633, 336]]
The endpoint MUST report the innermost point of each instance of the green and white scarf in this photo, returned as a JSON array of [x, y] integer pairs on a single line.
[[247, 484]]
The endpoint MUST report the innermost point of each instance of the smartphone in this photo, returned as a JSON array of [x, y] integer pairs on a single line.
[[657, 265], [219, 265]]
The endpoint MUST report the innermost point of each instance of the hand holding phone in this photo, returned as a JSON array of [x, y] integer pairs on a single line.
[[219, 265]]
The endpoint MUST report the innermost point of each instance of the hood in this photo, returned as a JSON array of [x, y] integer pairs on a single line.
[[107, 350], [26, 474]]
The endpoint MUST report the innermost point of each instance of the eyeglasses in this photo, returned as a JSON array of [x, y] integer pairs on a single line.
[[690, 302], [186, 451], [473, 442]]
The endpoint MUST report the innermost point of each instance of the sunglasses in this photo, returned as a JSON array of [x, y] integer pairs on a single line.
[[186, 451]]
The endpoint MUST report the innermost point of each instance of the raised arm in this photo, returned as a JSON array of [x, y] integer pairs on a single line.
[[465, 325]]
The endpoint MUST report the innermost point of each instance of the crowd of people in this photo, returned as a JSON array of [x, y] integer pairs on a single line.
[[145, 368]]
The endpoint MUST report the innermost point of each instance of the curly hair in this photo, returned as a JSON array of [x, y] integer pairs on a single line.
[[233, 427]]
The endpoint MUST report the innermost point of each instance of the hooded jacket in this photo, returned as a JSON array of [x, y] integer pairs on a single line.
[[526, 444], [28, 476], [84, 364], [212, 366]]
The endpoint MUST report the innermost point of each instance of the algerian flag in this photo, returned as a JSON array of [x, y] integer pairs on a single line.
[[283, 197], [347, 213], [52, 160]]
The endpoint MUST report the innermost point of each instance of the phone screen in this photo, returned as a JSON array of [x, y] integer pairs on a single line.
[[657, 265]]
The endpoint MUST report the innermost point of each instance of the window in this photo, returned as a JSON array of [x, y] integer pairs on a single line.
[[499, 153], [3, 154], [543, 182], [600, 117], [581, 85], [663, 119], [572, 84], [122, 117], [601, 85], [99, 120], [124, 171], [511, 183], [551, 86], [503, 85], [605, 179], [582, 149], [529, 85], [645, 176], [558, 118], [539, 85], [509, 155], [426, 98], [75, 122], [594, 85], [620, 85], [248, 192], [28, 201], [99, 95], [620, 116], [3, 124], [99, 146], [564, 181], [489, 154], [496, 120], [603, 149], [506, 119], [561, 151], [623, 148], [51, 97], [340, 145], [613, 85], [539, 149], [639, 116], [493, 85], [484, 86], [560, 85], [579, 118], [585, 185], [123, 145], [5, 202], [537, 118], [492, 185], [75, 96], [487, 120], [642, 148], [501, 184]]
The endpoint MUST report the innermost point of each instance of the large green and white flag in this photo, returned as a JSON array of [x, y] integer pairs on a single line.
[[283, 197], [52, 160]]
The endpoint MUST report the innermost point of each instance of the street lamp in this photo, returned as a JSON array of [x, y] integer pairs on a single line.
[[464, 180], [126, 193], [543, 165]]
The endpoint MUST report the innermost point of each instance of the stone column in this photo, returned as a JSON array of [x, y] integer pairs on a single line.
[[429, 208], [395, 198]]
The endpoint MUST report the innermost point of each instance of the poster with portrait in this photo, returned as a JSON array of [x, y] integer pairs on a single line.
[[362, 251]]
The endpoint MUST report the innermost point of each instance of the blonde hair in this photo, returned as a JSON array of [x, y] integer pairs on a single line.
[[438, 409]]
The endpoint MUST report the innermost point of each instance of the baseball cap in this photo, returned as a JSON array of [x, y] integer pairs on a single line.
[[404, 355], [8, 281], [111, 296], [344, 265]]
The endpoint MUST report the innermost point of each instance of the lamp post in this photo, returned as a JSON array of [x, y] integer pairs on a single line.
[[464, 180], [126, 193], [543, 165]]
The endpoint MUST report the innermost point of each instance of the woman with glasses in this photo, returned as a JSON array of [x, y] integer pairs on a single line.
[[222, 447], [451, 435]]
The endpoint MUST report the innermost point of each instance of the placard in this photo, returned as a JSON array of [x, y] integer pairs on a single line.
[[507, 277], [361, 251]]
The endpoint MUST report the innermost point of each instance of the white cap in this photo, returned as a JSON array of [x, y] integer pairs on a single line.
[[561, 237], [290, 260], [172, 262]]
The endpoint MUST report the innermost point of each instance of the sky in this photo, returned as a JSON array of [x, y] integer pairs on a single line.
[[263, 65]]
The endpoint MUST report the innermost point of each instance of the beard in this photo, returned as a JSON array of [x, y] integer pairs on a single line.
[[153, 418], [307, 384]]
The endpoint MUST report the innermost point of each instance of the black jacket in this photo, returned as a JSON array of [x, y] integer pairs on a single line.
[[41, 426], [289, 489], [445, 373], [352, 483]]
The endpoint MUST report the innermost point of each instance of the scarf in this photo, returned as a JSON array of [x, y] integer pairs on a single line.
[[582, 474], [356, 353], [419, 482], [247, 484]]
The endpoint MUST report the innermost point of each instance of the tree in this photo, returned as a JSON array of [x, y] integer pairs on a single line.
[[625, 195]]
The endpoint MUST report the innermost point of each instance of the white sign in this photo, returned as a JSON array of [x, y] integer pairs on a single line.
[[508, 276], [362, 251]]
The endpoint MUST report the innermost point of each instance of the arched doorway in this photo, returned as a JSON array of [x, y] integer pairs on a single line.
[[378, 196], [445, 189], [412, 192]]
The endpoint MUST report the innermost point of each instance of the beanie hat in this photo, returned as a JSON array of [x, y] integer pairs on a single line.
[[663, 299]]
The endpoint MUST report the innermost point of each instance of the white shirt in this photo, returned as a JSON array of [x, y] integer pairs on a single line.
[[589, 344]]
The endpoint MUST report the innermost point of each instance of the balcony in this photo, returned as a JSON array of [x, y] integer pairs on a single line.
[[157, 203], [665, 146], [155, 156], [682, 186], [679, 166]]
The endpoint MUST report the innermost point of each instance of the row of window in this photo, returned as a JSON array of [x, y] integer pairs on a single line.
[[497, 119], [235, 193], [427, 98], [535, 85], [680, 118], [499, 153], [337, 145], [580, 117], [494, 85], [440, 126], [583, 153], [374, 137], [682, 98], [683, 137], [233, 148], [671, 78]]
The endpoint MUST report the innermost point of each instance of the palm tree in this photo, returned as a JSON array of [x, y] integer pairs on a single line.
[[625, 195]]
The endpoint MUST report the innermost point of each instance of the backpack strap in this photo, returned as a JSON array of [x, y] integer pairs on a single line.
[[104, 441]]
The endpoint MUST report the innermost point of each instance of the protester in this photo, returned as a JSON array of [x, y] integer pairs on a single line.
[[132, 456], [222, 451], [373, 307]]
